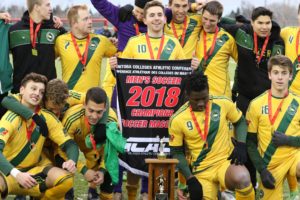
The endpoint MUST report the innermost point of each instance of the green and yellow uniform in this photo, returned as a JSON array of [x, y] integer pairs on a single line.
[[216, 66], [208, 159], [193, 27], [28, 155], [280, 161], [137, 48], [289, 36], [74, 73]]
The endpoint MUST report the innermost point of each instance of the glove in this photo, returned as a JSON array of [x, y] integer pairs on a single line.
[[100, 133], [280, 139], [40, 123], [125, 13], [195, 188], [239, 153], [267, 179]]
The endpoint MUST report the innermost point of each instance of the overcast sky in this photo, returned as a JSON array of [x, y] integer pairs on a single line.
[[228, 4]]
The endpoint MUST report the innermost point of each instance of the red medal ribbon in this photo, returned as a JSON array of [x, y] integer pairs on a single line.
[[183, 31], [88, 126], [29, 130], [206, 56], [272, 119], [137, 29], [259, 57], [150, 47], [206, 120], [297, 46], [82, 58], [33, 33]]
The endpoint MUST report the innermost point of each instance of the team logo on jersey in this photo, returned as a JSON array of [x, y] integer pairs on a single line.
[[189, 125], [50, 37], [67, 44], [93, 45], [3, 131], [169, 48], [220, 42], [215, 115], [292, 110]]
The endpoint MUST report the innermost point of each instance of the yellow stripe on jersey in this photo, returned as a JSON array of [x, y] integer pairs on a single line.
[[79, 79], [137, 48], [289, 36], [286, 122], [217, 64]]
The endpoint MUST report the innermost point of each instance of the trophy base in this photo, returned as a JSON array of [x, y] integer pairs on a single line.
[[161, 156], [161, 196]]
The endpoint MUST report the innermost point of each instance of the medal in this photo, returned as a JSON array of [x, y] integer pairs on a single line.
[[34, 52]]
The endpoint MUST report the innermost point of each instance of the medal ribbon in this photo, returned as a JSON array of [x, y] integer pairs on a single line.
[[29, 130], [150, 47], [259, 57], [206, 120], [272, 119], [137, 29], [88, 126], [183, 31], [206, 56], [82, 58], [33, 33], [297, 46]]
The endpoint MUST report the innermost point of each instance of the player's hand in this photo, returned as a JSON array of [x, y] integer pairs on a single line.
[[90, 175], [199, 5], [239, 153], [57, 22], [267, 179], [26, 180], [70, 166], [41, 123], [280, 139], [195, 63], [195, 188], [99, 178], [113, 62], [180, 195], [5, 16]]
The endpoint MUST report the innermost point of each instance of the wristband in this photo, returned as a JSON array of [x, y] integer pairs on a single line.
[[14, 172]]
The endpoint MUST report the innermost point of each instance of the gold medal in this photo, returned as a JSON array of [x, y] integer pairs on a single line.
[[34, 52]]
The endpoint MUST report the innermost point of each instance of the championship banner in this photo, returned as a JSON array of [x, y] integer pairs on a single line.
[[149, 92]]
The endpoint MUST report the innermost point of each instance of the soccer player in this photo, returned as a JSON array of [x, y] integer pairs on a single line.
[[183, 26], [24, 170], [201, 125], [256, 43], [214, 49], [80, 122], [35, 53], [82, 71], [273, 130]]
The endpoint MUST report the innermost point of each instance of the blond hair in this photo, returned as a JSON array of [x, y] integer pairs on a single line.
[[31, 3], [73, 13]]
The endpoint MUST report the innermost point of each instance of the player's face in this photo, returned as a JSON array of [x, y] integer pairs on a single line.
[[262, 26], [44, 9], [179, 10], [209, 22], [198, 100], [84, 22], [155, 19], [53, 107], [138, 13], [280, 77], [94, 111], [32, 93]]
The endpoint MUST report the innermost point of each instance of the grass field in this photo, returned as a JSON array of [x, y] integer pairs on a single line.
[[81, 185]]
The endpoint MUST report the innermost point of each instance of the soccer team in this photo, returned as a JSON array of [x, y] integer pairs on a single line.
[[220, 144]]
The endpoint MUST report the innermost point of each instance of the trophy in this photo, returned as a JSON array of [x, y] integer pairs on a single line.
[[161, 155], [161, 187]]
